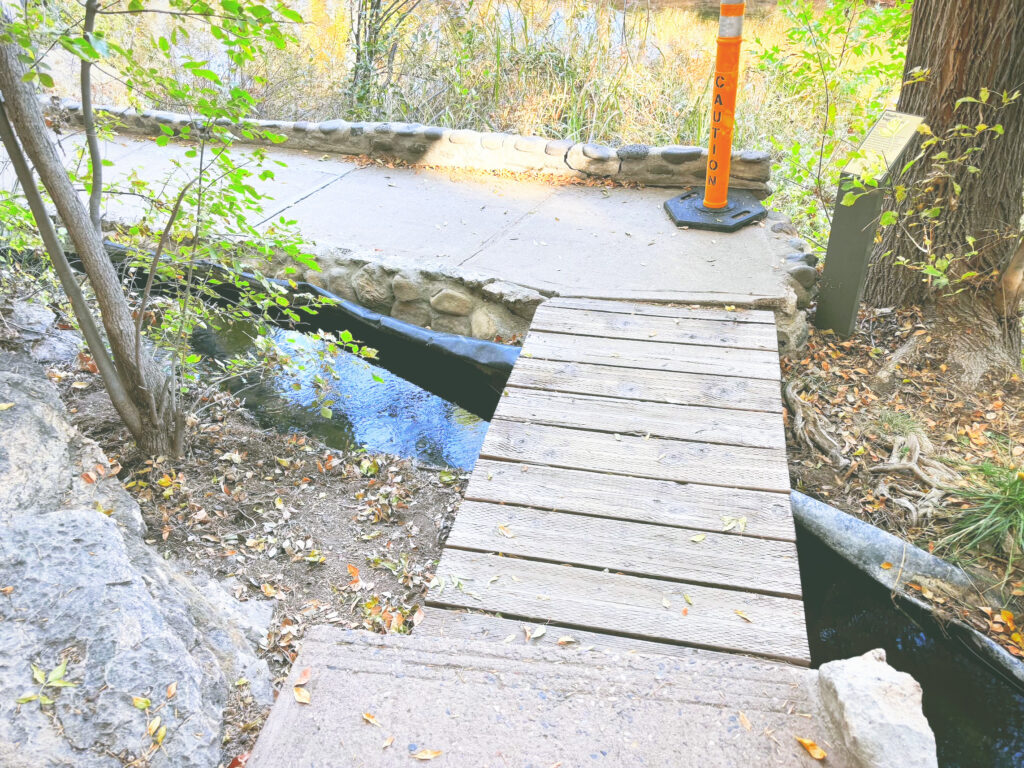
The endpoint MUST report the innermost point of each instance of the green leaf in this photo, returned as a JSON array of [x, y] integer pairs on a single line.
[[29, 76], [38, 675], [46, 80], [27, 698], [57, 673], [326, 412], [888, 218]]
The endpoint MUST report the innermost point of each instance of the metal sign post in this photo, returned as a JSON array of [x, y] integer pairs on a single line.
[[716, 208], [853, 226]]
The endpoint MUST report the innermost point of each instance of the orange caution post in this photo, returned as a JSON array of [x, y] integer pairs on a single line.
[[716, 209]]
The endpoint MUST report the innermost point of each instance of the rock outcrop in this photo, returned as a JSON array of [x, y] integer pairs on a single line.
[[81, 588]]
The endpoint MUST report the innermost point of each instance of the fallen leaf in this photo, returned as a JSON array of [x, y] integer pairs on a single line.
[[688, 599], [812, 749], [239, 761], [304, 676], [533, 633], [301, 694], [371, 719], [699, 537], [140, 702], [5, 406], [665, 602], [172, 689], [745, 722], [744, 616], [388, 742], [427, 754], [567, 640], [886, 566], [153, 725], [504, 531], [1008, 619], [268, 590]]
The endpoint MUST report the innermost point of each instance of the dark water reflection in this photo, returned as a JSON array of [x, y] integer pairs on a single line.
[[977, 716]]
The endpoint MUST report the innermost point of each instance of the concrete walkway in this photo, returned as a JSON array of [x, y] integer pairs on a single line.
[[573, 240]]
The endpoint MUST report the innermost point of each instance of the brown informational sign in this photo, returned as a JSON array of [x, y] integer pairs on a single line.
[[885, 142]]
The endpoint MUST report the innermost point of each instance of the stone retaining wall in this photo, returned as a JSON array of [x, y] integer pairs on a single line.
[[667, 166], [490, 309]]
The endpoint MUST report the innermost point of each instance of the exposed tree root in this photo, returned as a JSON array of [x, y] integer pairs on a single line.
[[918, 511], [884, 378], [809, 427], [909, 454]]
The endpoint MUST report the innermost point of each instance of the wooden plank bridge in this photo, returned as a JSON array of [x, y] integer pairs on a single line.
[[633, 483]]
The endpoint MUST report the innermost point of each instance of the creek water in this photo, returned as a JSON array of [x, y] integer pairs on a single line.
[[370, 407], [976, 714]]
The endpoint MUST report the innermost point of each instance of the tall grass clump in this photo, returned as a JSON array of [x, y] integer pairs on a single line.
[[993, 517]]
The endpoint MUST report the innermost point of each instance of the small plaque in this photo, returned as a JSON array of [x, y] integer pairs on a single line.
[[884, 144]]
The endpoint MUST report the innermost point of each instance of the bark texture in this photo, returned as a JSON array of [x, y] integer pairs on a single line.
[[965, 45], [149, 408]]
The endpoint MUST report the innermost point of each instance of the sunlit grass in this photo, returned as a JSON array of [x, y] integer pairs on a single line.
[[993, 518]]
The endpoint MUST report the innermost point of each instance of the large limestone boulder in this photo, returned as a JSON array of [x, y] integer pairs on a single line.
[[83, 588], [34, 326]]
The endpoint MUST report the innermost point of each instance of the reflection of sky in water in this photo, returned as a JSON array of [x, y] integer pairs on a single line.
[[391, 416]]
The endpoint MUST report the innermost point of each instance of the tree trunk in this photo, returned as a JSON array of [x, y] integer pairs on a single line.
[[965, 45], [149, 408]]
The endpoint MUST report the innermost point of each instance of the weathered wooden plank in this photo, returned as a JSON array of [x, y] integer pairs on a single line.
[[715, 560], [665, 310], [607, 414], [698, 507], [765, 683], [625, 605], [609, 325], [722, 299], [653, 355], [757, 469], [673, 387]]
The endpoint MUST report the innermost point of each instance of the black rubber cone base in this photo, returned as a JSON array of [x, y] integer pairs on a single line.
[[687, 210]]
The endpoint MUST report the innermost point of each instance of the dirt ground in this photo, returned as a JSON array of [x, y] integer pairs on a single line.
[[323, 536]]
